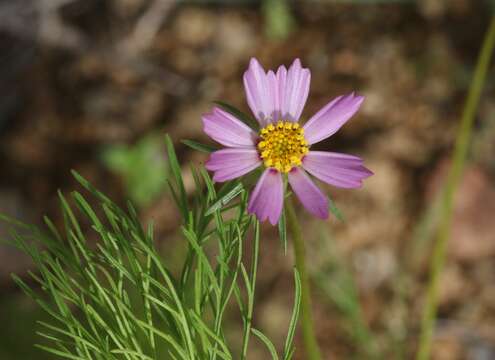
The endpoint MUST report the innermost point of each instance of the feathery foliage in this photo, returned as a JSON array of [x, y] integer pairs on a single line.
[[110, 294]]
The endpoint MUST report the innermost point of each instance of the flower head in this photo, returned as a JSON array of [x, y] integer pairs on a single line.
[[282, 146]]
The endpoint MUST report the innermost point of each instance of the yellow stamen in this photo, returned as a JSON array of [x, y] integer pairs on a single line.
[[282, 146], [268, 162]]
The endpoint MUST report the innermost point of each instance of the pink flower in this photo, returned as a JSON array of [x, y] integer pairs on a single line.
[[282, 146]]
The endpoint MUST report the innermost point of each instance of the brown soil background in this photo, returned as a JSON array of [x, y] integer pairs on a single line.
[[85, 78]]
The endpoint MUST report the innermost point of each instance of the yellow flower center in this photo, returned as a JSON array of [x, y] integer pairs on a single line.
[[282, 145]]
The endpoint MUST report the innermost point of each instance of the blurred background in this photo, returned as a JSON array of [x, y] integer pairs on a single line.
[[94, 85]]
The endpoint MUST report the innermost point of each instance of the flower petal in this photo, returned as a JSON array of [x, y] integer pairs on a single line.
[[331, 117], [229, 164], [274, 89], [293, 90], [308, 193], [280, 96], [258, 94], [281, 79], [267, 198], [227, 129], [341, 170]]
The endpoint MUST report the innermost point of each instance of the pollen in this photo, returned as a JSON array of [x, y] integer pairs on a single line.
[[282, 145]]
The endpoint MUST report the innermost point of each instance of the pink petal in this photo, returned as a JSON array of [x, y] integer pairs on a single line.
[[331, 117], [274, 89], [229, 164], [341, 170], [308, 193], [281, 90], [227, 130], [267, 198], [259, 96], [293, 90], [280, 96]]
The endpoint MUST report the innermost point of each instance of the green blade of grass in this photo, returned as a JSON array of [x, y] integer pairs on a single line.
[[458, 162]]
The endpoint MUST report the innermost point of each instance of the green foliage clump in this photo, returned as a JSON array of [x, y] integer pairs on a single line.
[[115, 298]]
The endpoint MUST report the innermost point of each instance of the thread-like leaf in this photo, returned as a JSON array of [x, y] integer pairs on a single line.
[[177, 175], [335, 210], [267, 342], [195, 145], [246, 119], [237, 188], [288, 347]]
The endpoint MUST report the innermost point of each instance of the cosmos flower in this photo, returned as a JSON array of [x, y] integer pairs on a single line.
[[282, 145]]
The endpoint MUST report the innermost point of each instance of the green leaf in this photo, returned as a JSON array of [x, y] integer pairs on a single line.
[[88, 186], [199, 146], [288, 347], [246, 119], [177, 174], [14, 222], [267, 342], [225, 199], [335, 210]]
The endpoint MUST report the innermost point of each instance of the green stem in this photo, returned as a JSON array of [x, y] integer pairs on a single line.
[[309, 338], [251, 290], [459, 159]]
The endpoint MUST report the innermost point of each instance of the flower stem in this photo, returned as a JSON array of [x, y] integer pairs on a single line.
[[309, 338], [458, 161]]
